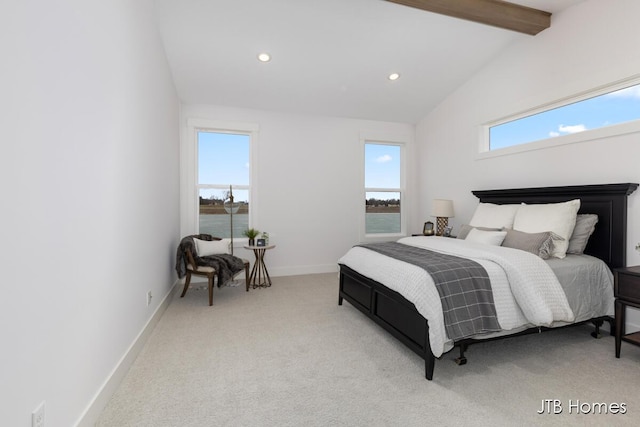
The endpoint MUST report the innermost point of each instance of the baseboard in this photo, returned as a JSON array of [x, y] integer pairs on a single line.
[[283, 271], [302, 270], [100, 400]]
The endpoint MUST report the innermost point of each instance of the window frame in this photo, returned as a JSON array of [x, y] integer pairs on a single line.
[[633, 126], [191, 198], [381, 140]]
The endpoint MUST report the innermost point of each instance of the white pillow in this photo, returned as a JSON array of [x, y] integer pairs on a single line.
[[559, 218], [494, 238], [212, 247], [491, 215]]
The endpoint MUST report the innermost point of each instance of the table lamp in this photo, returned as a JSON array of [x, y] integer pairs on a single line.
[[442, 210]]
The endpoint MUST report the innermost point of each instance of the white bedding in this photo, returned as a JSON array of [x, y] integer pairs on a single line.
[[525, 289]]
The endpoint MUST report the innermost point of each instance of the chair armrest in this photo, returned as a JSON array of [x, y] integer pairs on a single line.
[[190, 260]]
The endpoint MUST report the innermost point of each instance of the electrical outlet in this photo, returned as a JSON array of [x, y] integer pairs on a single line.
[[149, 296], [37, 416]]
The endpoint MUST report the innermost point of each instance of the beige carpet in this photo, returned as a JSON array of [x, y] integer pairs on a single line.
[[290, 356]]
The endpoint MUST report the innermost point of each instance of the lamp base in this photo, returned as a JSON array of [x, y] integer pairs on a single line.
[[442, 223]]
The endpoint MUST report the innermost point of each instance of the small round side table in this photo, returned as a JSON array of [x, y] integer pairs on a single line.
[[259, 277]]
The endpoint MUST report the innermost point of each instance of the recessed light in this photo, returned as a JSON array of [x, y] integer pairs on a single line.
[[394, 76], [264, 57]]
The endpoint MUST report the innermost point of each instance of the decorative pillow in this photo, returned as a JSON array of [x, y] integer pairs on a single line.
[[491, 215], [585, 225], [465, 229], [540, 244], [559, 218], [494, 238], [211, 247]]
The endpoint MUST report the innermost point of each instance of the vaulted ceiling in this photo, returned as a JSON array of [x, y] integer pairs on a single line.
[[330, 57]]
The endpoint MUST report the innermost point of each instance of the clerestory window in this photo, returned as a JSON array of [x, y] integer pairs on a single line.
[[606, 112]]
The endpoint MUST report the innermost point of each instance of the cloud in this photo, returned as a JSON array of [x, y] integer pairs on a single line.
[[567, 129], [629, 92], [384, 159], [572, 128]]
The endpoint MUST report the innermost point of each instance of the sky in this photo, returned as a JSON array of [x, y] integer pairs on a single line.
[[604, 110], [215, 149], [223, 158], [382, 169]]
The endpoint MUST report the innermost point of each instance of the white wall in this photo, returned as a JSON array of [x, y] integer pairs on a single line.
[[89, 178], [589, 45], [308, 181]]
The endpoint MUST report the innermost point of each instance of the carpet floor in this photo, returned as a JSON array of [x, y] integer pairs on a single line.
[[290, 356]]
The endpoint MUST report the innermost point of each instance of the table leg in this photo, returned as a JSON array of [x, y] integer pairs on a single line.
[[620, 309], [259, 277]]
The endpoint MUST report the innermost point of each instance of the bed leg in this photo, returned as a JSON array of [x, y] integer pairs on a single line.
[[429, 358], [429, 364], [462, 360], [596, 334]]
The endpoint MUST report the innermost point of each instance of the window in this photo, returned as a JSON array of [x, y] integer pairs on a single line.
[[383, 188], [223, 168], [605, 108]]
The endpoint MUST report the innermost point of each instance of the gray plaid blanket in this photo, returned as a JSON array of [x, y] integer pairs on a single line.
[[463, 285]]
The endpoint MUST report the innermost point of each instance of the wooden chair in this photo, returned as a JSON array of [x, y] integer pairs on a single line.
[[206, 271]]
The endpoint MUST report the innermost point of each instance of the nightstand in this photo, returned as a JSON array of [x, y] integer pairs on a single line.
[[627, 292]]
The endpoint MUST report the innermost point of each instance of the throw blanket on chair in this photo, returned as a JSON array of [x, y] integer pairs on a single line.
[[226, 265], [463, 285]]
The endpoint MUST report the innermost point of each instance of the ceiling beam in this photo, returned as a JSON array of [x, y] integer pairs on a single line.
[[491, 12]]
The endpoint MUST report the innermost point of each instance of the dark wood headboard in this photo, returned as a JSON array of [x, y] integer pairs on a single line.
[[608, 201]]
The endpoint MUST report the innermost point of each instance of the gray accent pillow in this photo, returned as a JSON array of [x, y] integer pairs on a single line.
[[585, 225], [540, 244], [465, 229]]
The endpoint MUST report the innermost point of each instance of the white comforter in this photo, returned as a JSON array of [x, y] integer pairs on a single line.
[[525, 289]]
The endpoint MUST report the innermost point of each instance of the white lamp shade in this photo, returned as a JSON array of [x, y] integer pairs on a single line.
[[442, 208]]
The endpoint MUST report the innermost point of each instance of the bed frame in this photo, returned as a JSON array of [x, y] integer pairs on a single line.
[[399, 317]]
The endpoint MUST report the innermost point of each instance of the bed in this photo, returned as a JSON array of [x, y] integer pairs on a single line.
[[383, 288]]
